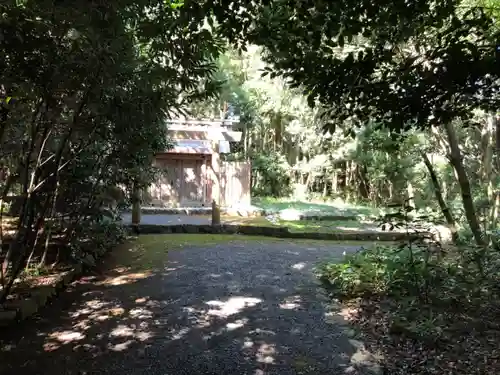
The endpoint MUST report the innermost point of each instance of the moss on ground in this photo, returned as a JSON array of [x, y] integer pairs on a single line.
[[327, 226], [151, 251], [307, 226], [335, 207]]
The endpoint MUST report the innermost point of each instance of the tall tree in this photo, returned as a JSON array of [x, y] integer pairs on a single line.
[[85, 88], [405, 64]]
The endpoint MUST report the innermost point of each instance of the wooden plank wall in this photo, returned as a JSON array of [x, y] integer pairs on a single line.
[[235, 179], [181, 183], [185, 182]]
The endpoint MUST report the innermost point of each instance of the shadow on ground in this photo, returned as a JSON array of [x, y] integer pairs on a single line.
[[232, 308]]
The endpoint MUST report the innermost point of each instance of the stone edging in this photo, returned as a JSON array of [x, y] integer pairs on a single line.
[[22, 309], [327, 218], [236, 212], [278, 232], [196, 211]]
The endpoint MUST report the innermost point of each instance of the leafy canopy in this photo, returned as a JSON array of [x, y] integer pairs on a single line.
[[421, 62]]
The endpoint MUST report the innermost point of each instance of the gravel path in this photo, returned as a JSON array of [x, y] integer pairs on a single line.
[[162, 219], [244, 307]]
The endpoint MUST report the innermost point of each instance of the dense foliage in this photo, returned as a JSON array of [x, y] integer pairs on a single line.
[[383, 104], [380, 103], [85, 88]]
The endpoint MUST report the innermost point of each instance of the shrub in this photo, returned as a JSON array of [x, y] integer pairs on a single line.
[[270, 175], [97, 238], [423, 271], [418, 291], [376, 270]]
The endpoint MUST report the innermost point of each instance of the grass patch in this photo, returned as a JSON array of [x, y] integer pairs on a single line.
[[152, 250], [258, 221], [324, 226], [306, 226], [336, 207], [175, 241]]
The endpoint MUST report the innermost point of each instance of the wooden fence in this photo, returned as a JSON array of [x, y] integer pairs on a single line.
[[235, 180]]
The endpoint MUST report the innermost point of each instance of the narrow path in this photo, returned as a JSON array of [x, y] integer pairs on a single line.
[[241, 307], [161, 219]]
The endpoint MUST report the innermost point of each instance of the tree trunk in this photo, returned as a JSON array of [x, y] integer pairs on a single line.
[[390, 189], [456, 161], [308, 182], [334, 182], [450, 220], [278, 131], [136, 205], [487, 147], [494, 175], [325, 186], [411, 194], [364, 189], [348, 176], [51, 216], [444, 189], [244, 135]]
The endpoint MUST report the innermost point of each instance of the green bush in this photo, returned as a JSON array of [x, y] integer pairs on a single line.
[[270, 175], [388, 270], [369, 271], [98, 238], [424, 273]]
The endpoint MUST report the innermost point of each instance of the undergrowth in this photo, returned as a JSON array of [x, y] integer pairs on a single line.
[[421, 294]]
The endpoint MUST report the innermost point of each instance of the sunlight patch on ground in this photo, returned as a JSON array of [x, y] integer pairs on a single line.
[[67, 336], [232, 306], [124, 279], [122, 331], [203, 318], [237, 324], [121, 346], [96, 311], [177, 335], [348, 312], [247, 343], [141, 313], [291, 303], [132, 334], [231, 326], [92, 309], [260, 331], [363, 361], [96, 316], [265, 353], [299, 266], [341, 315], [59, 338], [133, 331]]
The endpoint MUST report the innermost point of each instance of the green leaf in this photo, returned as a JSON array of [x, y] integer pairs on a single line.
[[175, 4], [311, 100], [340, 41]]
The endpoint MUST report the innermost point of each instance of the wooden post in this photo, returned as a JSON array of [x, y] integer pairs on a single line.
[[216, 166], [215, 213]]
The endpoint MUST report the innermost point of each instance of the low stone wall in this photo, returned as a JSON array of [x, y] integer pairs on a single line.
[[278, 232], [197, 211], [327, 218], [18, 310], [238, 212]]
